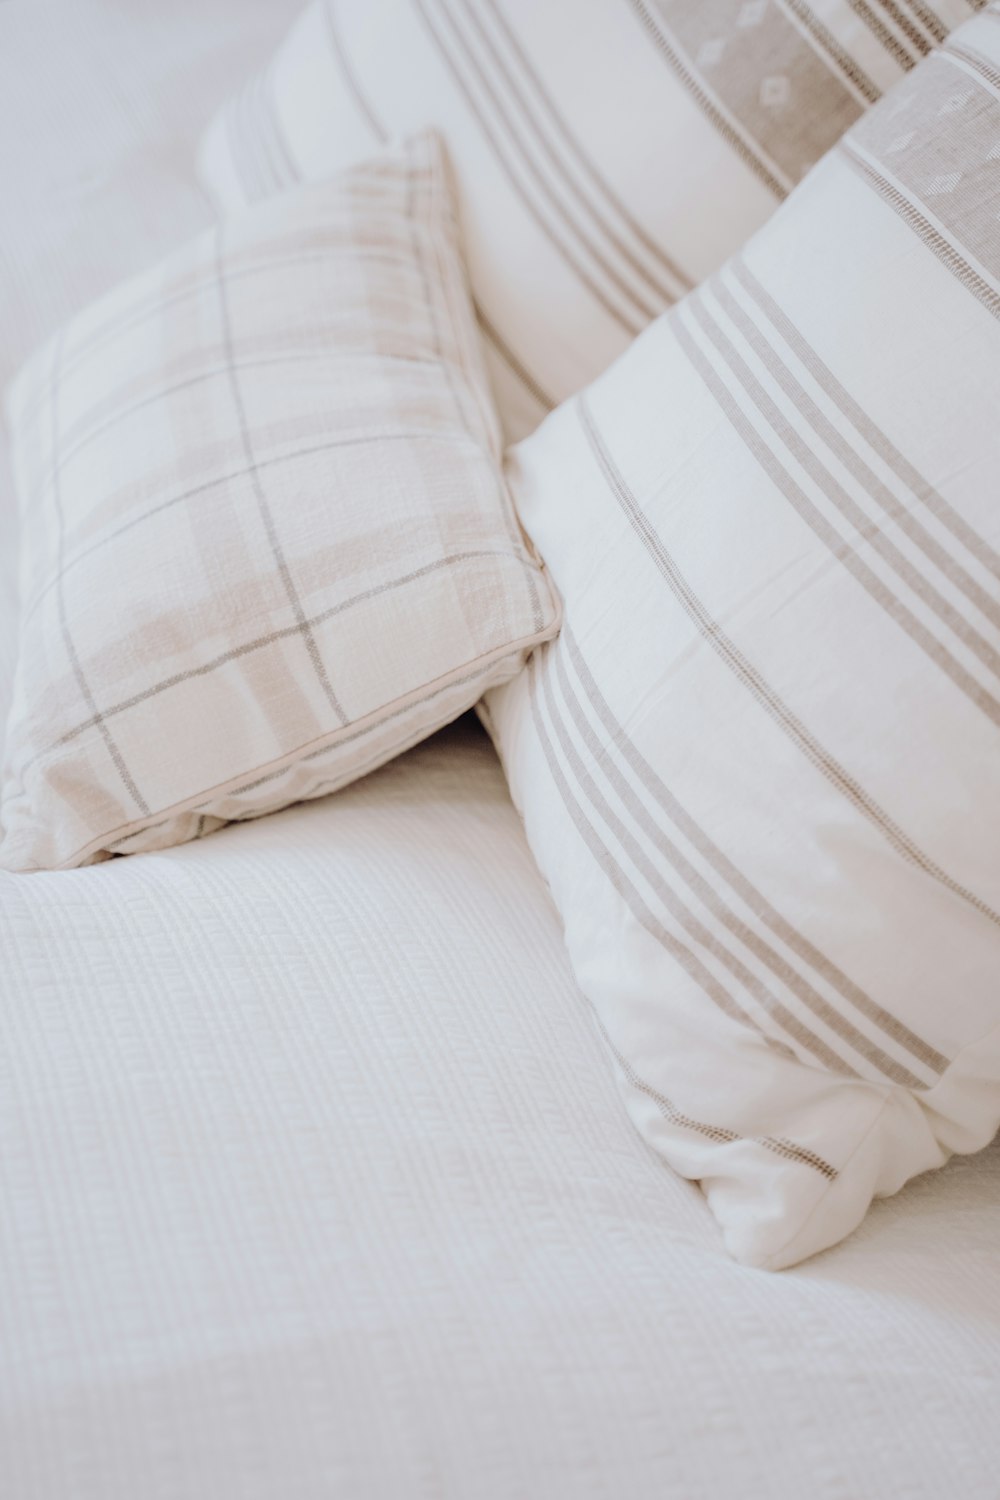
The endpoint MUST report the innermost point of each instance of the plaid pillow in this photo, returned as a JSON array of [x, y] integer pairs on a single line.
[[266, 543]]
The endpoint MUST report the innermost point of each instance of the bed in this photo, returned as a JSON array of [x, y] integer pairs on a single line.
[[314, 1178]]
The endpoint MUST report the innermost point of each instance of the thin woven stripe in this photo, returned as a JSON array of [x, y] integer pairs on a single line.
[[267, 544], [609, 155], [760, 767]]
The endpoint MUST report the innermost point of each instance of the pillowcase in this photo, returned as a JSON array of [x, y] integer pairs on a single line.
[[760, 768], [610, 155], [266, 540]]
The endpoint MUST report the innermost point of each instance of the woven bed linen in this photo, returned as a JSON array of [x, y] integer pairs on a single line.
[[313, 1177], [266, 543], [610, 153], [761, 766]]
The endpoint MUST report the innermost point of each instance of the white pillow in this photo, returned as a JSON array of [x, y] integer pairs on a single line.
[[609, 153], [761, 766], [266, 543]]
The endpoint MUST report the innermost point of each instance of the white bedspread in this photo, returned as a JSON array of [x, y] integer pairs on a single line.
[[313, 1177]]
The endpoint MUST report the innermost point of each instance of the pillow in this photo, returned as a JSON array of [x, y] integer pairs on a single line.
[[266, 540], [610, 154], [760, 768]]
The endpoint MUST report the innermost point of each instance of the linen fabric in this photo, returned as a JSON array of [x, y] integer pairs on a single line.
[[610, 153], [265, 539], [314, 1177], [761, 767]]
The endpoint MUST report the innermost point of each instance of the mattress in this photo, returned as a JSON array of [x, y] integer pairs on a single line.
[[314, 1180]]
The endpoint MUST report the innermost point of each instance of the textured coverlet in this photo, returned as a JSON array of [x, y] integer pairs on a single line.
[[313, 1178]]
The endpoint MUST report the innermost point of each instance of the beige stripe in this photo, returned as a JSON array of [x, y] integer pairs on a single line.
[[525, 169], [429, 436], [738, 882], [901, 15], [672, 902], [362, 103], [919, 487], [264, 510], [882, 34], [826, 43], [273, 637], [755, 683], [366, 110], [331, 744], [936, 242], [678, 281], [877, 491], [789, 98], [521, 129], [83, 685], [773, 178], [838, 545], [718, 1133], [159, 302], [513, 362], [710, 897], [679, 951], [932, 24], [436, 207], [935, 153]]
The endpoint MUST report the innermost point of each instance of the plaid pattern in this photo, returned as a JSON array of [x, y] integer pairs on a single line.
[[266, 544], [761, 764], [610, 153]]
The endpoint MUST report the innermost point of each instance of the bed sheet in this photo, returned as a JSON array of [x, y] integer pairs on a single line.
[[314, 1181]]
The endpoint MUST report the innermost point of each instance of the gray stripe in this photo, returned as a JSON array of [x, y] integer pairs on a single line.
[[931, 23], [756, 683], [880, 493], [313, 622], [748, 893], [876, 439], [741, 64], [720, 1134], [241, 473], [330, 356], [654, 248], [361, 101], [813, 29], [263, 507], [434, 287], [873, 487], [534, 122], [790, 1023], [284, 173], [946, 252], [733, 136], [905, 23], [158, 304], [515, 127], [629, 324], [71, 652], [933, 157], [513, 363], [882, 34], [838, 546], [680, 952], [342, 739], [364, 106]]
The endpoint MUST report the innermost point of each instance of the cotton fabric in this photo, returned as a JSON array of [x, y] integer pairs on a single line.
[[760, 768], [265, 540]]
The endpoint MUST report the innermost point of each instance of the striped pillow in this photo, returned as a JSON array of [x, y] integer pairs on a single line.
[[266, 541], [761, 765], [610, 153]]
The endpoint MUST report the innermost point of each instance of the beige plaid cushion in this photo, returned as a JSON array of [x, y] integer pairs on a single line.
[[265, 541]]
